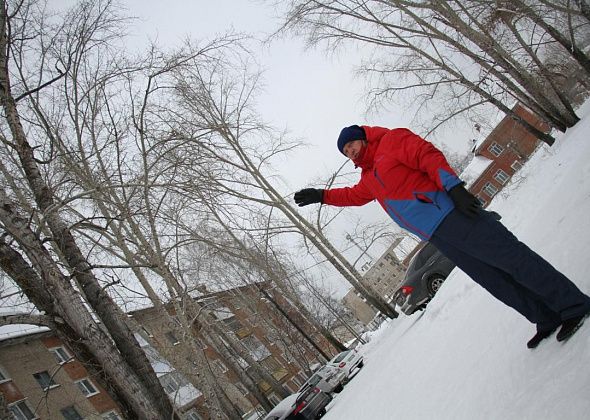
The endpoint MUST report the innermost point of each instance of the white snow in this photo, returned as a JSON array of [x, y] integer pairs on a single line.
[[465, 356], [475, 168]]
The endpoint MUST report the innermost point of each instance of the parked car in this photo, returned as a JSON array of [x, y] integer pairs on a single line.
[[426, 273], [308, 404], [327, 378], [347, 362]]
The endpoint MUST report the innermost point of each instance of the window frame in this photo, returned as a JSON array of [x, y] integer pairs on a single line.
[[273, 398], [73, 407], [80, 384], [5, 375], [501, 176], [108, 414], [489, 185], [52, 384], [172, 378], [496, 149], [242, 388], [17, 404], [191, 413], [222, 367], [58, 357], [516, 165]]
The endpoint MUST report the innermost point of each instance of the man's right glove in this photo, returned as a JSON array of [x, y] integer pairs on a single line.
[[308, 196], [464, 201]]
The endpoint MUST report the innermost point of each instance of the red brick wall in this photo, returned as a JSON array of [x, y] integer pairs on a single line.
[[102, 402], [518, 145]]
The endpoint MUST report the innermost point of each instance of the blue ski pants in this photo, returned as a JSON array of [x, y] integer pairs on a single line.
[[513, 273]]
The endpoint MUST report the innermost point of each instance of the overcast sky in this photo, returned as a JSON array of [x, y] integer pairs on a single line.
[[310, 92]]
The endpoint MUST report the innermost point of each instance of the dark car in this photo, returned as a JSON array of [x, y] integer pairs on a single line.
[[307, 404], [426, 272]]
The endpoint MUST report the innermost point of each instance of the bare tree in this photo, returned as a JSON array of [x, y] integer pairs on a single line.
[[215, 117], [469, 52], [134, 376]]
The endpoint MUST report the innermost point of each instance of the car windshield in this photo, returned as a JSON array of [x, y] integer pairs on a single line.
[[341, 356]]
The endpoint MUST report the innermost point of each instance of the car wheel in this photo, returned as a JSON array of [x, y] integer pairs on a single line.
[[434, 284], [338, 388], [361, 364], [321, 413]]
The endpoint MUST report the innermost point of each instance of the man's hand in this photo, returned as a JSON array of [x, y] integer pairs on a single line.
[[464, 201], [308, 196]]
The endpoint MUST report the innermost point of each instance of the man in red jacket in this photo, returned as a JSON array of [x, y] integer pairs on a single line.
[[413, 182]]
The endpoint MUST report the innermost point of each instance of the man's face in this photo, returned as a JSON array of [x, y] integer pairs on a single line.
[[352, 149]]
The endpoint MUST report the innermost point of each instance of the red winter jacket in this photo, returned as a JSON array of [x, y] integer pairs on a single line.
[[407, 175]]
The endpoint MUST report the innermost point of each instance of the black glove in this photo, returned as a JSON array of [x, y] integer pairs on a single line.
[[308, 196], [464, 201]]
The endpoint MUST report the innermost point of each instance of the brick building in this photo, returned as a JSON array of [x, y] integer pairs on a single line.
[[40, 379], [501, 154]]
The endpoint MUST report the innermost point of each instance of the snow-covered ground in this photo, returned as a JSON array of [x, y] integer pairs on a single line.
[[465, 356]]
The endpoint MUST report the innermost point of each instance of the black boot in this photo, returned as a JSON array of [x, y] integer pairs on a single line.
[[570, 326], [540, 336]]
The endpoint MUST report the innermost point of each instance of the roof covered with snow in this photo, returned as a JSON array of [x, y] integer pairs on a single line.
[[476, 167]]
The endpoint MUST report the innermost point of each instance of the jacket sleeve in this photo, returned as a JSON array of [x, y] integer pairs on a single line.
[[417, 153], [357, 195]]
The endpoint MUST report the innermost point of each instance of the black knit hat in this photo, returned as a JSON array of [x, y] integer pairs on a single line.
[[354, 132]]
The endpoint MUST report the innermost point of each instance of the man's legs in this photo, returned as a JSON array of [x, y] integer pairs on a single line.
[[500, 285], [512, 272]]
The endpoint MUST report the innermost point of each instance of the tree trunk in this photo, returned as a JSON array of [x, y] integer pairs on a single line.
[[63, 301], [107, 311]]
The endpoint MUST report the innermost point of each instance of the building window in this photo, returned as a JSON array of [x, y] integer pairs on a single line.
[[111, 415], [4, 376], [292, 387], [172, 338], [483, 201], [243, 390], [70, 413], [297, 381], [61, 355], [501, 176], [172, 382], [271, 364], [490, 189], [20, 411], [193, 415], [220, 365], [87, 387], [255, 348], [45, 380], [516, 165], [274, 399], [495, 149], [233, 324]]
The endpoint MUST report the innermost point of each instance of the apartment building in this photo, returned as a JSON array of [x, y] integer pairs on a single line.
[[40, 379], [501, 154]]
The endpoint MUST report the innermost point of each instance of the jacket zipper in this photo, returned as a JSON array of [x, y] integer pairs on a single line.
[[378, 178]]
